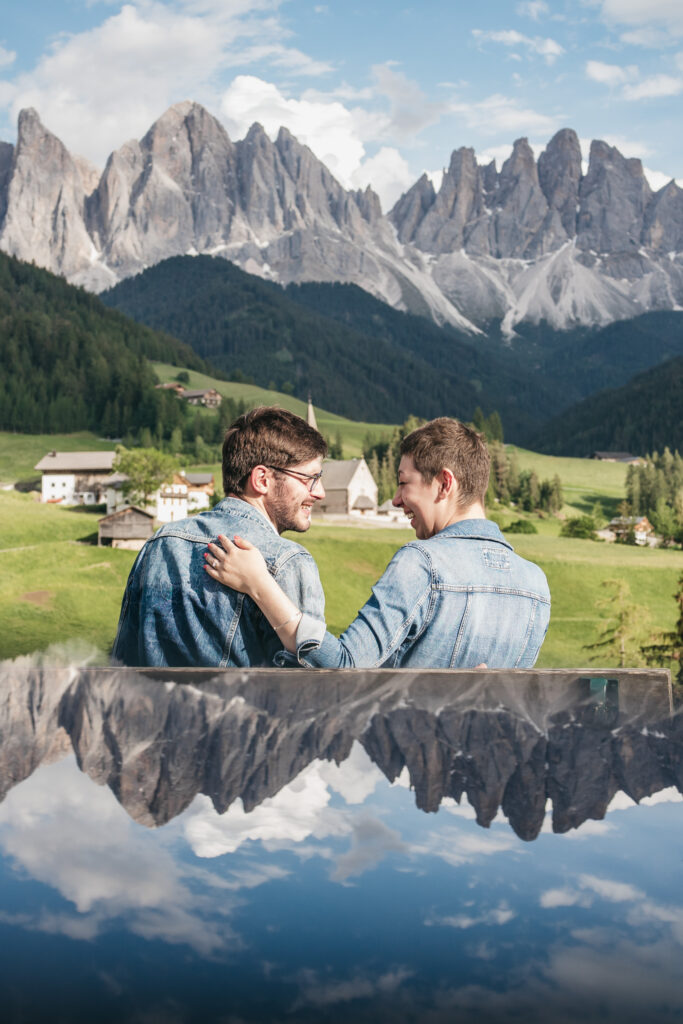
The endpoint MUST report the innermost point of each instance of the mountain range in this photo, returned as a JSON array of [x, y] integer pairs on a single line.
[[537, 242]]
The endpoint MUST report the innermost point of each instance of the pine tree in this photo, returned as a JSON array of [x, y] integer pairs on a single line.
[[622, 634], [667, 647]]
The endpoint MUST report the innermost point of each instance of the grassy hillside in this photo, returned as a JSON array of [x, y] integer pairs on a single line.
[[57, 587], [329, 423], [584, 481]]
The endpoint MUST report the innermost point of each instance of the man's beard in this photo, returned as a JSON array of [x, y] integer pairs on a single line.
[[283, 510]]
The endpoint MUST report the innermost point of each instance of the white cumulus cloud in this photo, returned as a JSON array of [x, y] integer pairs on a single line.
[[533, 9], [552, 898], [387, 172], [547, 48], [327, 127], [97, 88], [7, 57], [654, 87], [666, 14], [610, 74], [501, 115], [607, 889], [496, 916]]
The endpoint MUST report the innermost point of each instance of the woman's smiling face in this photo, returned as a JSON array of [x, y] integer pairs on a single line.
[[418, 499]]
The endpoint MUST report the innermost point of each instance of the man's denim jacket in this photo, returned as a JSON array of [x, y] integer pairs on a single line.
[[461, 598], [173, 613]]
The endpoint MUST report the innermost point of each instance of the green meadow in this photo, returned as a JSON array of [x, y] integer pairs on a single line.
[[585, 482], [58, 586]]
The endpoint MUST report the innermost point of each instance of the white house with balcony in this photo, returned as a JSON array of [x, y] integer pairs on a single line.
[[75, 478], [174, 500]]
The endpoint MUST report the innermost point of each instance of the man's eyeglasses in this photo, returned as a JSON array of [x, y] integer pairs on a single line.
[[309, 479]]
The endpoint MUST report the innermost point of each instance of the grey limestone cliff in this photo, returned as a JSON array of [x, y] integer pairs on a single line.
[[537, 240]]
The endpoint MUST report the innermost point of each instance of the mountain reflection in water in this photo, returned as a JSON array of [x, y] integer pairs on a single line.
[[508, 741]]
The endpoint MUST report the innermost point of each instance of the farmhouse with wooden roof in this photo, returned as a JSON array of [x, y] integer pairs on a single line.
[[208, 397], [128, 528]]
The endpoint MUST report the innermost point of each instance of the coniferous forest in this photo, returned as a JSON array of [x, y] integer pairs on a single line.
[[69, 363]]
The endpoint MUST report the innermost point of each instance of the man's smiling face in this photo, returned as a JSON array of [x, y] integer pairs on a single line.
[[417, 499], [290, 503]]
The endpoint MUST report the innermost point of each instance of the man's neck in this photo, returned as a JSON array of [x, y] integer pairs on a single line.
[[256, 501]]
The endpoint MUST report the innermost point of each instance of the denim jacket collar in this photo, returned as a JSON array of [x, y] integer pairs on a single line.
[[476, 529], [239, 507]]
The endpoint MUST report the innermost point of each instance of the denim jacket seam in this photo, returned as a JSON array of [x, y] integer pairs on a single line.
[[285, 556], [230, 635], [461, 631], [475, 588], [408, 620], [529, 632]]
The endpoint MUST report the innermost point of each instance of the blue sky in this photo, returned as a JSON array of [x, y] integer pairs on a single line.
[[380, 90]]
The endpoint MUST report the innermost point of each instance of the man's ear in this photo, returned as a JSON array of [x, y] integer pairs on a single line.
[[259, 480], [448, 484]]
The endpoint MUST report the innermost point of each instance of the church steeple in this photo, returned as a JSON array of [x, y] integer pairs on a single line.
[[310, 414]]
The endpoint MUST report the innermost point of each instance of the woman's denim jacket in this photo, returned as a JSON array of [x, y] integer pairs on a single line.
[[461, 598], [173, 613]]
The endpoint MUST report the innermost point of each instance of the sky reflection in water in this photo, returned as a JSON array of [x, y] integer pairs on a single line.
[[335, 897]]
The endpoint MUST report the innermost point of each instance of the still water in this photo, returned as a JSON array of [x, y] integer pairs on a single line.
[[325, 846]]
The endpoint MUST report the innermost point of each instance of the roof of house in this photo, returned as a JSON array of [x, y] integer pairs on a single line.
[[617, 456], [626, 521], [338, 473], [198, 392], [199, 478], [76, 462], [125, 513]]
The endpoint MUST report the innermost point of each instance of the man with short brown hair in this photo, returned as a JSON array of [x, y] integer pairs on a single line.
[[172, 612]]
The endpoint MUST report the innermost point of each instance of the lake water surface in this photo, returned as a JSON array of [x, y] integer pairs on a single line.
[[324, 846]]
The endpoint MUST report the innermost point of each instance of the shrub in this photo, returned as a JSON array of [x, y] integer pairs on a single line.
[[520, 526], [579, 526]]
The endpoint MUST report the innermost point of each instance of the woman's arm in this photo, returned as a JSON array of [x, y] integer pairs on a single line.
[[242, 567], [398, 608]]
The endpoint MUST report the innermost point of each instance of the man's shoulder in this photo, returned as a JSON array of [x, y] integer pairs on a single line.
[[232, 516]]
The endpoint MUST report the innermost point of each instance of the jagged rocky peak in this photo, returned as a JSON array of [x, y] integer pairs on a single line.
[[45, 201], [663, 223], [317, 193], [409, 211], [559, 175], [460, 201], [489, 180], [6, 159], [521, 207], [520, 165], [613, 198], [368, 202], [182, 137]]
